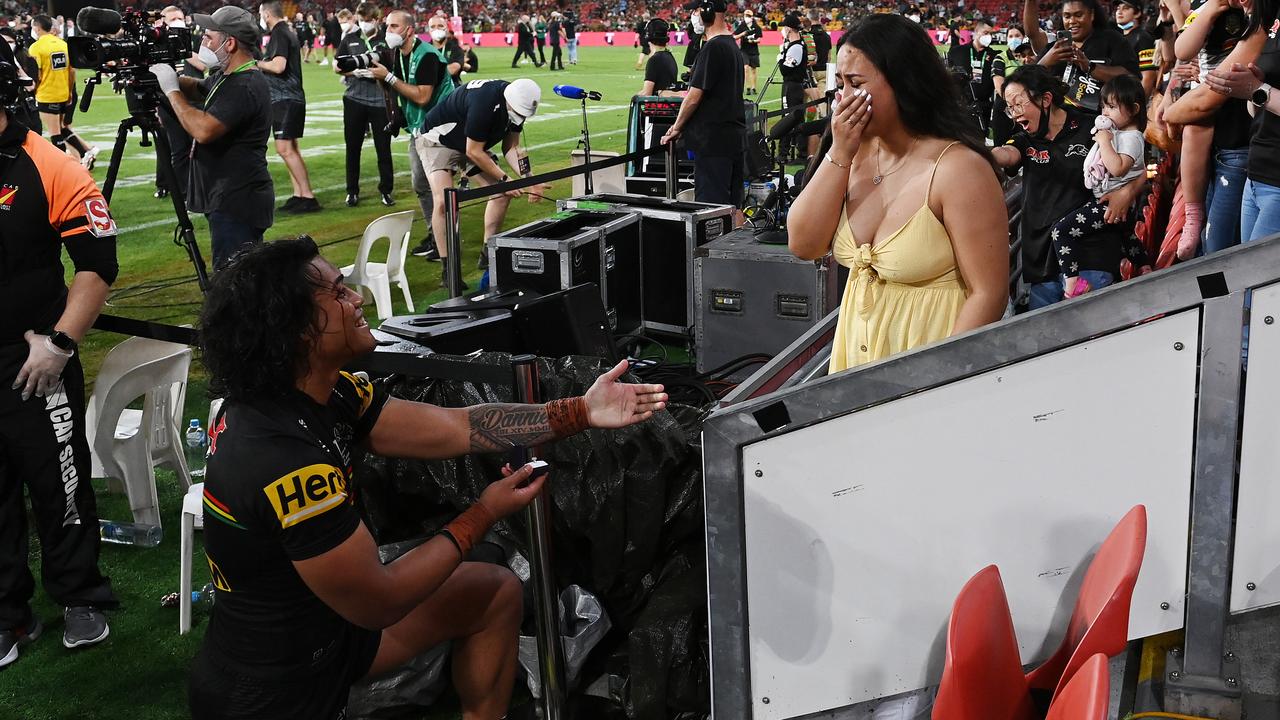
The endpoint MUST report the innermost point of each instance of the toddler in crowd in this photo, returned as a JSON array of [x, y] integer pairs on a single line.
[[1116, 159]]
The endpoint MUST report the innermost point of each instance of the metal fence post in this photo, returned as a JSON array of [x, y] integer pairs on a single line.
[[541, 573], [672, 182], [452, 244]]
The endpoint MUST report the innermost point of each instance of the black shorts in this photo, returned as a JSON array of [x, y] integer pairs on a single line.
[[57, 108], [718, 179], [217, 692], [751, 58], [330, 41], [287, 119]]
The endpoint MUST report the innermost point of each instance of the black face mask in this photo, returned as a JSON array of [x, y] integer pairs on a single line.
[[1043, 129], [514, 128]]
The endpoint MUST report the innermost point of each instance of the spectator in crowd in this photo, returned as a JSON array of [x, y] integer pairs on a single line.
[[1087, 54], [229, 181], [310, 602], [748, 33], [1115, 159], [1129, 15], [712, 118], [282, 62], [51, 203], [570, 25], [56, 88], [555, 36], [1051, 149], [660, 72], [906, 197], [333, 34], [420, 80], [364, 104], [524, 43]]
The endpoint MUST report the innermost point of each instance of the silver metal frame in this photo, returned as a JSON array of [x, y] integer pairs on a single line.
[[728, 431]]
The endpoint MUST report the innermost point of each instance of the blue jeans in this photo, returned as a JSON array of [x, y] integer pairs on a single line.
[[573, 49], [1259, 211], [1222, 229], [1047, 293], [228, 236]]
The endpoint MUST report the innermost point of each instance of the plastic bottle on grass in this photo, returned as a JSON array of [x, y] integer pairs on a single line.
[[196, 443], [203, 595], [127, 533]]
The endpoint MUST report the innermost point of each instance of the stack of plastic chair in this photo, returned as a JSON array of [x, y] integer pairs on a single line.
[[376, 278], [1087, 696], [192, 513], [982, 678], [128, 444]]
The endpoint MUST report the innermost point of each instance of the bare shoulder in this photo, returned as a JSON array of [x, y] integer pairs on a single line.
[[962, 162]]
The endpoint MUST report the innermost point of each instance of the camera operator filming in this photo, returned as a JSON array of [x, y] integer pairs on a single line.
[[365, 104], [229, 181]]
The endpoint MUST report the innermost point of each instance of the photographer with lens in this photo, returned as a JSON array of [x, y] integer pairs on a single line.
[[49, 202], [660, 72], [229, 181], [420, 79], [713, 112], [365, 104], [24, 106], [282, 62]]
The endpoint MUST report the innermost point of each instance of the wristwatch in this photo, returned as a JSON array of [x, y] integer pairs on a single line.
[[1261, 96], [62, 341]]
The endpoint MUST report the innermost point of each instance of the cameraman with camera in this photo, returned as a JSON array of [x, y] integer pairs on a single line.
[[179, 140], [282, 62], [420, 78], [229, 181], [713, 112], [365, 105], [49, 202]]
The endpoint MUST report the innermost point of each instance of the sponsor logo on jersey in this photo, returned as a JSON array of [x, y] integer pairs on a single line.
[[58, 60], [7, 194], [306, 493], [100, 222]]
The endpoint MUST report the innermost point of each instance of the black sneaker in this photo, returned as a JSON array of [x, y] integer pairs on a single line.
[[427, 249], [352, 199], [462, 284], [84, 625], [482, 263], [11, 640], [307, 205], [388, 200], [290, 205], [160, 193]]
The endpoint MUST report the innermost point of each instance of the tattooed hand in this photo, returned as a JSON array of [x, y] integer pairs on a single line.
[[611, 404]]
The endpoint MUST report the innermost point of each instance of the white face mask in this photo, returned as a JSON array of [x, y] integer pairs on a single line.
[[209, 58], [178, 24], [438, 35], [984, 40], [394, 40], [367, 27], [914, 18], [263, 24], [346, 27], [696, 21]]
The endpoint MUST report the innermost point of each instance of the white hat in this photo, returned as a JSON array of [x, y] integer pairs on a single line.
[[522, 96]]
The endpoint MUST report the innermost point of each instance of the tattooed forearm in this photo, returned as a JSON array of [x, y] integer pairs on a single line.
[[498, 427]]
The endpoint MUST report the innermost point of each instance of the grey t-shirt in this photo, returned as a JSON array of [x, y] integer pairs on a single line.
[[1126, 142]]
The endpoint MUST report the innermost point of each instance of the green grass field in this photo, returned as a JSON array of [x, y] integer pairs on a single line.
[[140, 671]]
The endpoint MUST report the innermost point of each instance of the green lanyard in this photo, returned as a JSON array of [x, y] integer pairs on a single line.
[[208, 99]]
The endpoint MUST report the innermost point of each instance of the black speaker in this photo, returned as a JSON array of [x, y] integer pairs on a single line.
[[457, 332]]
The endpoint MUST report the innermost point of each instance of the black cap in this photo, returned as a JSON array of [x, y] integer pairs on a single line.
[[1135, 4]]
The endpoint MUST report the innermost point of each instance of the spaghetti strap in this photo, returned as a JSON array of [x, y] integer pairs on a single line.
[[928, 189]]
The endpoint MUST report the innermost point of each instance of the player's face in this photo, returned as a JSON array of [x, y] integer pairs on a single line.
[[342, 333]]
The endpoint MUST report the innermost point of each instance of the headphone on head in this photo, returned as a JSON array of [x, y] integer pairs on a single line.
[[658, 31]]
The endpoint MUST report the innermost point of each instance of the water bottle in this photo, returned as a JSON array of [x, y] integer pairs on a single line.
[[195, 448], [204, 594], [127, 533]]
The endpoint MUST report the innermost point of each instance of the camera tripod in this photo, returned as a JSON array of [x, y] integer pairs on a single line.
[[142, 115]]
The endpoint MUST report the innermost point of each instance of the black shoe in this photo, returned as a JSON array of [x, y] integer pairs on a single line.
[[482, 263], [290, 205], [444, 273], [84, 625], [388, 200], [11, 640], [160, 193], [426, 249], [353, 199], [307, 205]]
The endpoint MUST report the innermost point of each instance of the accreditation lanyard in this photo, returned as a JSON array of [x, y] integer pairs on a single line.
[[243, 68]]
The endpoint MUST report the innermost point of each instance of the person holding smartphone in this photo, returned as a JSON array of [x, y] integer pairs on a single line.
[[1088, 54]]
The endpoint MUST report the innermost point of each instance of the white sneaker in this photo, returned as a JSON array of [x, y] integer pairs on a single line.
[[324, 62], [88, 159]]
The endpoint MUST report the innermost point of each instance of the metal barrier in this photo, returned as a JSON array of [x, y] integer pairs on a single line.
[[1158, 361]]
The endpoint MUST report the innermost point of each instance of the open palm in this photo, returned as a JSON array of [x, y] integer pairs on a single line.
[[613, 404]]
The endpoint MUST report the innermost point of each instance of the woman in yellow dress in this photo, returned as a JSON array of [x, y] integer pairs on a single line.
[[906, 197]]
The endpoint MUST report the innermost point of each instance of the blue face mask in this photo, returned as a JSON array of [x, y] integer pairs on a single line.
[[1126, 26], [1015, 43]]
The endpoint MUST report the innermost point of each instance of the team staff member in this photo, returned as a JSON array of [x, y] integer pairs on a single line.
[[524, 42], [305, 607], [449, 49], [306, 35], [794, 70], [47, 201], [332, 36], [364, 107], [660, 72], [555, 36], [459, 132], [822, 54], [56, 87], [984, 66], [1129, 20], [642, 41], [713, 113], [229, 181], [282, 63], [420, 80], [570, 37], [748, 34]]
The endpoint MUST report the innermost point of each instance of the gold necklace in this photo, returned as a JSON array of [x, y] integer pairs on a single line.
[[880, 176]]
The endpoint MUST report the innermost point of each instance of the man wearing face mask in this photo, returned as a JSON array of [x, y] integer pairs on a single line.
[[1129, 15], [420, 80], [748, 33], [442, 41], [179, 140], [229, 181], [364, 104], [282, 62], [713, 112], [984, 66]]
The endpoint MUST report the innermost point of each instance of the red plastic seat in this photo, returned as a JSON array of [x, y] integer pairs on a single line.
[[1100, 621], [982, 678], [1086, 697]]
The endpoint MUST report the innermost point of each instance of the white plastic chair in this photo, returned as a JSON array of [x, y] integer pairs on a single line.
[[192, 517], [127, 444], [376, 277]]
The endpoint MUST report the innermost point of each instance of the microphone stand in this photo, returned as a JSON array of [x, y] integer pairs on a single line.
[[585, 143]]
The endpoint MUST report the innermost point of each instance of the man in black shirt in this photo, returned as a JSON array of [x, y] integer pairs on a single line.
[[555, 35], [306, 36], [450, 50], [305, 606], [1129, 19], [822, 53], [642, 40], [1086, 56], [983, 66], [229, 180], [694, 32], [570, 24], [748, 33], [794, 71], [332, 36], [712, 118], [282, 63], [365, 107], [524, 42], [661, 71]]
